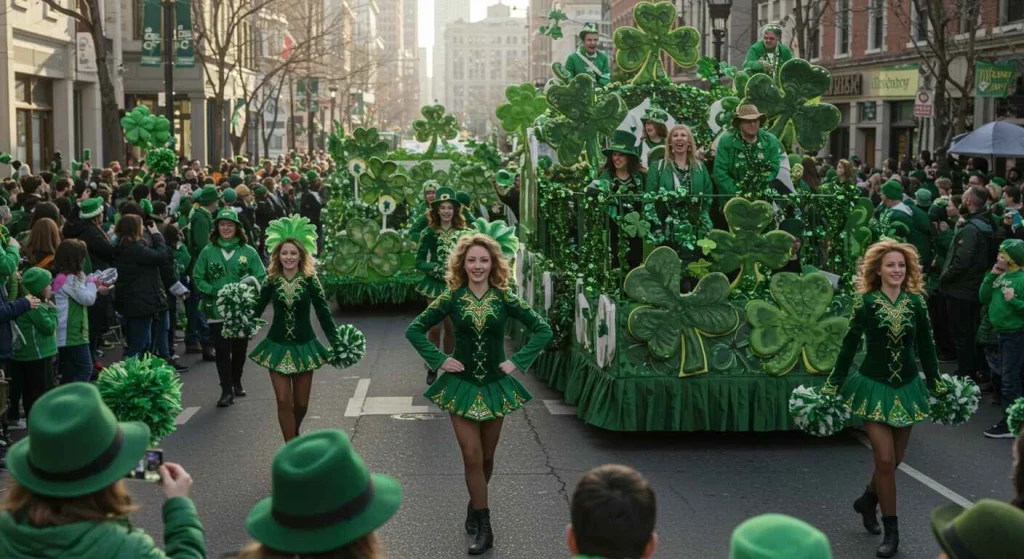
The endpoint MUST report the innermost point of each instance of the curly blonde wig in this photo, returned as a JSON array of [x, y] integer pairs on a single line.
[[456, 276], [868, 277]]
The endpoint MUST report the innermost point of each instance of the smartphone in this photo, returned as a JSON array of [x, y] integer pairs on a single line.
[[148, 468], [1017, 221]]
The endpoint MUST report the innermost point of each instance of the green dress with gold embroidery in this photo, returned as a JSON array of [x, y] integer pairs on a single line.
[[432, 259], [481, 392], [887, 387], [291, 345]]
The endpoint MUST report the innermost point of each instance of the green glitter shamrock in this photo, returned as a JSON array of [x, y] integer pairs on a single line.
[[366, 143], [362, 247], [553, 29], [795, 327], [673, 324], [638, 49], [383, 178], [745, 245], [161, 161], [423, 172], [435, 124], [524, 105], [475, 180], [857, 229], [588, 118], [793, 103], [635, 226]]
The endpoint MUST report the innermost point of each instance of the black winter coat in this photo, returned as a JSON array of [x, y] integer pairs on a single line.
[[139, 291], [101, 252]]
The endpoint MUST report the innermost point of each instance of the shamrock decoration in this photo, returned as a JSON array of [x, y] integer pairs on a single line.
[[857, 229], [674, 325], [145, 130], [588, 118], [795, 327], [383, 178], [435, 124], [793, 102], [524, 105], [362, 247], [475, 180], [366, 143], [638, 49], [635, 226], [553, 29], [712, 71], [745, 245], [498, 230], [423, 172], [336, 142]]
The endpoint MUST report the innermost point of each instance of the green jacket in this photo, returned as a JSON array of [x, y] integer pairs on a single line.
[[758, 53], [183, 538], [1006, 316], [182, 259], [577, 63], [39, 330], [731, 160], [919, 229], [200, 225], [213, 271], [662, 176]]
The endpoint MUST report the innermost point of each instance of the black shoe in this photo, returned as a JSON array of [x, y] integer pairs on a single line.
[[999, 431], [471, 522], [891, 539], [208, 354], [431, 377], [178, 367], [226, 399], [865, 505], [484, 536], [239, 391]]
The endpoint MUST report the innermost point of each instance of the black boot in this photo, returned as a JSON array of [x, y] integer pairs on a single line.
[[227, 398], [239, 391], [484, 536], [471, 521], [891, 539], [866, 505], [209, 354]]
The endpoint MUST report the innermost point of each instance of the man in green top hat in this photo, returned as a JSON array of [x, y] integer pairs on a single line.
[[988, 530], [586, 59], [778, 536], [769, 54], [744, 148]]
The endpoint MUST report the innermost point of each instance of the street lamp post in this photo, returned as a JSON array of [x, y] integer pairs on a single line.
[[334, 95], [168, 56], [719, 10]]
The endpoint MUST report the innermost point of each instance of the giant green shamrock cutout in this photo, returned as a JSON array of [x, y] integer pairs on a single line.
[[145, 130], [793, 103], [383, 178], [524, 105], [857, 229], [423, 172], [475, 180], [634, 225], [796, 327], [366, 143], [362, 247], [638, 49], [745, 245], [673, 325], [588, 118], [502, 234], [435, 124]]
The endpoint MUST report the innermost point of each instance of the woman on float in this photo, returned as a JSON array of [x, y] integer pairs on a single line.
[[624, 176], [446, 223], [683, 172], [478, 389], [655, 135], [887, 392]]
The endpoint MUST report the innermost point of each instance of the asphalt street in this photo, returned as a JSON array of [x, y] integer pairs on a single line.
[[706, 483]]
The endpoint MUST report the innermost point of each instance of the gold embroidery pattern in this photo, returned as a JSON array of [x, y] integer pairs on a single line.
[[877, 414], [479, 410], [862, 410], [897, 318], [477, 310]]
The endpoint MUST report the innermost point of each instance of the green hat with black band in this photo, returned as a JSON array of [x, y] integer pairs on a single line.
[[323, 497], [988, 530], [228, 214], [90, 208], [623, 141], [75, 446]]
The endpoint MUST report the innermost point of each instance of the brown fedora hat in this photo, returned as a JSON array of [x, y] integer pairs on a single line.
[[749, 112]]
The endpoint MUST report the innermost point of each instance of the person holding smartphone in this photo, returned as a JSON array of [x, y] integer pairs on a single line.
[[68, 496]]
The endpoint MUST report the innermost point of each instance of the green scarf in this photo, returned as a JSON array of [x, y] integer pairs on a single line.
[[229, 245]]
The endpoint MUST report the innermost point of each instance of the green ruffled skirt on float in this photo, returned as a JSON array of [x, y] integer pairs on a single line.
[[876, 401], [493, 400], [432, 288], [289, 359]]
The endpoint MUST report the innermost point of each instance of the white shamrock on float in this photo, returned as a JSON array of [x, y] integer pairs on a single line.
[[549, 290], [604, 331], [584, 317]]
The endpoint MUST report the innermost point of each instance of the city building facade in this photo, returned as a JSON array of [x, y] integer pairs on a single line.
[[445, 12]]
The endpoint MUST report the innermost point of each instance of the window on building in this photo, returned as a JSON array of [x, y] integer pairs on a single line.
[[920, 27], [843, 32], [34, 120], [876, 25], [762, 14], [1012, 12]]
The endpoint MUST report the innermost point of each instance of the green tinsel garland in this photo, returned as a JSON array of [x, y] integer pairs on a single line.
[[235, 303], [818, 414], [1015, 417], [957, 404], [348, 346], [144, 389]]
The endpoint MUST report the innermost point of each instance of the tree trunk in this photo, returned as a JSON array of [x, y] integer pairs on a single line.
[[940, 120], [110, 116], [799, 28], [217, 128]]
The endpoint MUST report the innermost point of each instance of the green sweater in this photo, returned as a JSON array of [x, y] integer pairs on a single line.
[[577, 63], [1005, 316], [731, 160], [213, 271], [183, 538], [758, 54], [200, 225], [39, 329]]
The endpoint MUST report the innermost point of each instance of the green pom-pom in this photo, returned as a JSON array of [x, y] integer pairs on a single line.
[[1015, 416], [161, 161], [348, 346], [235, 303], [818, 414], [957, 404], [144, 389]]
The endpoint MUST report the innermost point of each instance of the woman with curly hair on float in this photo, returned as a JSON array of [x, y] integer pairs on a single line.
[[291, 351], [886, 392], [478, 389]]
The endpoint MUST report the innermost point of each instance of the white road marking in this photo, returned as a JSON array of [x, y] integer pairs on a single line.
[[185, 415], [355, 403], [391, 405], [924, 479], [558, 407]]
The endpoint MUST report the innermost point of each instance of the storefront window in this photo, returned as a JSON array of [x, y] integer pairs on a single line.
[[34, 120]]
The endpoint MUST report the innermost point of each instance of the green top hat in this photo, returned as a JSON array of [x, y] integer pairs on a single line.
[[988, 529], [75, 446], [35, 280], [654, 114], [207, 195], [90, 208], [228, 214], [777, 536], [623, 141], [323, 496], [445, 194], [588, 28]]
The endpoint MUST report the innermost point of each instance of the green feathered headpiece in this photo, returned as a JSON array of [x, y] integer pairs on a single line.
[[292, 228]]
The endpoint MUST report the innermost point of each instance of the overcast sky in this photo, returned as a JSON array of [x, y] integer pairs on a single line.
[[478, 10]]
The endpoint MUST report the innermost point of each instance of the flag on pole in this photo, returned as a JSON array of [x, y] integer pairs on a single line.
[[289, 46]]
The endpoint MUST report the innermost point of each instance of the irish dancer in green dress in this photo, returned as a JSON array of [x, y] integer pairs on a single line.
[[446, 223], [291, 351], [887, 392], [227, 259], [478, 389]]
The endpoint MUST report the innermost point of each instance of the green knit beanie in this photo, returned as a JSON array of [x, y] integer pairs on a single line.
[[35, 280], [893, 190], [1014, 250]]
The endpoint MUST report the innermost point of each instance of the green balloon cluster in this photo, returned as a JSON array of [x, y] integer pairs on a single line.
[[145, 130]]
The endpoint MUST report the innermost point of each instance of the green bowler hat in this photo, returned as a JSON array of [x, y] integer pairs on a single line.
[[75, 446], [778, 536], [228, 214], [623, 141], [990, 530], [323, 496]]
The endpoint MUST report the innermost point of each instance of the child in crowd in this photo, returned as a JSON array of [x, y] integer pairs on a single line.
[[613, 513], [32, 367], [74, 293], [1003, 291], [778, 535]]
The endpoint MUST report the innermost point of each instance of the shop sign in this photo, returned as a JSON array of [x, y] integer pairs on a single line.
[[923, 104], [847, 85], [85, 52], [993, 79], [892, 81]]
